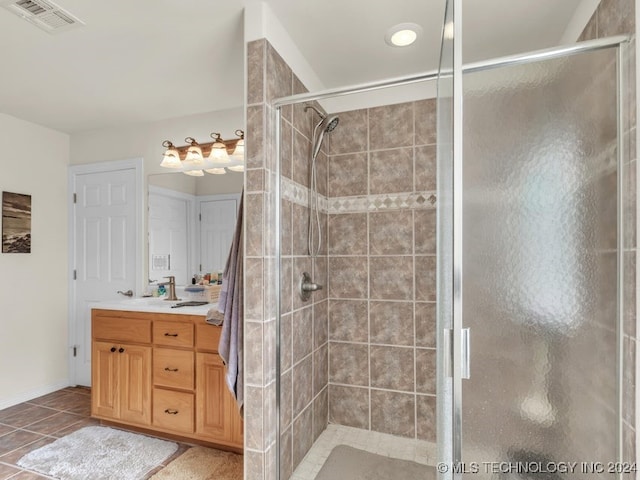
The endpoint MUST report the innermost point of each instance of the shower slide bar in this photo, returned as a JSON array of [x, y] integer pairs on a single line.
[[535, 56]]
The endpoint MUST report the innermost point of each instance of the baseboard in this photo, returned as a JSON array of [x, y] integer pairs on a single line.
[[33, 393]]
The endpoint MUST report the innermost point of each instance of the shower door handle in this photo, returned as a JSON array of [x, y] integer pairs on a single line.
[[466, 354]]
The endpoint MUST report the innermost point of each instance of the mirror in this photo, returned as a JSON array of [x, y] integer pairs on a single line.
[[190, 223]]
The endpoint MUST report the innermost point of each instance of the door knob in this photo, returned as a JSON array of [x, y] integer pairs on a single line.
[[128, 293]]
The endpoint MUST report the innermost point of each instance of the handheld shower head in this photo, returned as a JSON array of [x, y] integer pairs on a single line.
[[327, 124]]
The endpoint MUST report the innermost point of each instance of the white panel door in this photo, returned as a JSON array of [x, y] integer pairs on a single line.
[[105, 250], [217, 224], [169, 238]]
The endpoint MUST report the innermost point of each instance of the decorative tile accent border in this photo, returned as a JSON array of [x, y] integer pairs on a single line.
[[375, 203], [299, 194]]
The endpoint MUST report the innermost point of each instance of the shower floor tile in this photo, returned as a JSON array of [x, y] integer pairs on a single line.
[[380, 443]]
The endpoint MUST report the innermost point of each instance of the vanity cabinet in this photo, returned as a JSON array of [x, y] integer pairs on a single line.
[[167, 378]]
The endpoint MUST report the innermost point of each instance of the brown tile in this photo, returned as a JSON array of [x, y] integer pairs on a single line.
[[348, 320], [348, 277], [301, 159], [253, 338], [79, 405], [391, 126], [6, 471], [279, 81], [391, 278], [425, 231], [286, 285], [393, 413], [53, 424], [390, 233], [302, 385], [286, 227], [349, 363], [24, 475], [253, 417], [320, 369], [14, 410], [269, 352], [20, 418], [302, 435], [286, 455], [346, 234], [13, 456], [254, 289], [391, 323], [286, 398], [349, 406], [320, 324], [4, 429], [426, 418], [630, 293], [286, 150], [391, 171], [630, 204], [254, 465], [426, 122], [320, 413], [16, 439], [85, 422], [348, 175], [426, 168], [351, 134], [302, 333], [255, 180], [255, 71], [300, 229], [320, 275], [254, 212], [629, 383], [392, 368], [616, 17], [425, 319], [286, 343], [426, 278], [55, 399], [255, 137], [426, 371]]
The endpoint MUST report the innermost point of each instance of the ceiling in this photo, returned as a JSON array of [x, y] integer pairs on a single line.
[[148, 60]]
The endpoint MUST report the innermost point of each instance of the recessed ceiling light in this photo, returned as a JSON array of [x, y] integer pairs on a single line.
[[403, 34]]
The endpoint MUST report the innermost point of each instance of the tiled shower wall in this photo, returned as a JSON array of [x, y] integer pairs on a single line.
[[616, 17], [304, 349], [382, 283]]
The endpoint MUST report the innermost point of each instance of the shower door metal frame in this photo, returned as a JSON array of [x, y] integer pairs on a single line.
[[455, 350]]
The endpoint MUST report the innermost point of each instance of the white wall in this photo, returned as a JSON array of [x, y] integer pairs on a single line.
[[33, 287], [144, 140]]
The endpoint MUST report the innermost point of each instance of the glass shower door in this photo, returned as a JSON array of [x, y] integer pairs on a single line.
[[541, 267]]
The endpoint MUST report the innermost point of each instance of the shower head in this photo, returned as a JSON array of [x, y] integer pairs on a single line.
[[327, 124], [330, 122]]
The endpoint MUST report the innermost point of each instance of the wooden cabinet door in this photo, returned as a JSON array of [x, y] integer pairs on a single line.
[[104, 373], [212, 419], [135, 383]]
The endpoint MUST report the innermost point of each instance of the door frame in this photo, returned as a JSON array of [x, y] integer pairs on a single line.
[[200, 199], [136, 164]]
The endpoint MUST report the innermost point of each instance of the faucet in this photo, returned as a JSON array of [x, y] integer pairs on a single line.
[[171, 296]]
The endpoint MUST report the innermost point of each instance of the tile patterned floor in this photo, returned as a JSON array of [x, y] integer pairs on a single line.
[[374, 442], [36, 423]]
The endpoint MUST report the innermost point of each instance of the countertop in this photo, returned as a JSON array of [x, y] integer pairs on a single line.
[[151, 304]]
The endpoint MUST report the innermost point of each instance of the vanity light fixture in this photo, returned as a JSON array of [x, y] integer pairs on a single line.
[[215, 157], [403, 34]]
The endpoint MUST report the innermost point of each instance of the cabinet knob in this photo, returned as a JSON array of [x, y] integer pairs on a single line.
[[171, 411], [170, 334], [121, 349], [167, 369], [113, 349]]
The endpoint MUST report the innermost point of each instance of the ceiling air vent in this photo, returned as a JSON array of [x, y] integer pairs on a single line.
[[44, 14]]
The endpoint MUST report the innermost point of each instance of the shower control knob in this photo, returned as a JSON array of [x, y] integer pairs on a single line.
[[307, 287]]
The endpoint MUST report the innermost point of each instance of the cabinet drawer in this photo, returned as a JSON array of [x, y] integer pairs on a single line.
[[173, 410], [207, 336], [175, 334], [173, 368], [121, 329]]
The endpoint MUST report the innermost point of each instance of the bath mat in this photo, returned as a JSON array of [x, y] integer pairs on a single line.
[[348, 463], [200, 463], [99, 453]]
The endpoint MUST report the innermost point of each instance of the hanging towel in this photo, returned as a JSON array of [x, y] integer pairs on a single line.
[[230, 304]]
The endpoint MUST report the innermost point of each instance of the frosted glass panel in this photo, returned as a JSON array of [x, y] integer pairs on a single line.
[[540, 263]]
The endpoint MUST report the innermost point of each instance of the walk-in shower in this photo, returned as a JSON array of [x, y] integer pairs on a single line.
[[522, 235]]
